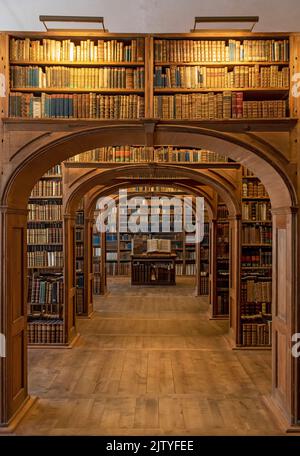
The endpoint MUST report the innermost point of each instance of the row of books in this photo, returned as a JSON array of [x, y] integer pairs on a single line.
[[85, 106], [257, 259], [222, 228], [272, 109], [257, 333], [84, 51], [47, 187], [253, 308], [96, 265], [201, 77], [256, 291], [142, 154], [79, 250], [253, 234], [45, 289], [79, 218], [222, 278], [221, 50], [113, 268], [53, 235], [256, 211], [222, 213], [79, 264], [79, 234], [204, 285], [54, 171], [254, 190], [222, 307], [224, 105], [44, 259], [47, 331], [76, 78], [172, 154], [114, 154], [189, 269], [96, 251], [79, 300], [111, 256], [190, 255], [45, 210], [97, 284]]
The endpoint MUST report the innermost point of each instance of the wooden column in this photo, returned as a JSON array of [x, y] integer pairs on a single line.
[[234, 277], [88, 267], [285, 318], [13, 321], [198, 268], [213, 267], [103, 264], [69, 279]]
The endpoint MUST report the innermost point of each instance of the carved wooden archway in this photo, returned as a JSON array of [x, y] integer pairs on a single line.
[[26, 162]]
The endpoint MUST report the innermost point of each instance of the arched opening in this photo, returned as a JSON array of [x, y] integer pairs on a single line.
[[33, 159]]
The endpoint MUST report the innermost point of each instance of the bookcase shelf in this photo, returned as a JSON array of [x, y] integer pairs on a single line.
[[245, 54], [75, 64], [220, 89], [46, 325], [256, 281], [221, 64], [68, 90]]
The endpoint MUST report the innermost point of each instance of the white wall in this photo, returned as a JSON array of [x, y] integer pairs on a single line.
[[151, 15]]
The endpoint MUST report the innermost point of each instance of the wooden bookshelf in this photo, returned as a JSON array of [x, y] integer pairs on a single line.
[[256, 279], [45, 281], [220, 304], [265, 55]]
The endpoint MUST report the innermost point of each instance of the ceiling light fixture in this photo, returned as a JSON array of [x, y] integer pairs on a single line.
[[225, 23], [75, 22]]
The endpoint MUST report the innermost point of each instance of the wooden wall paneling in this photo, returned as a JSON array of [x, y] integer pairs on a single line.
[[13, 322], [69, 279], [284, 321]]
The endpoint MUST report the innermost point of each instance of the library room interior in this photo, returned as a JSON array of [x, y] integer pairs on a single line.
[[150, 224]]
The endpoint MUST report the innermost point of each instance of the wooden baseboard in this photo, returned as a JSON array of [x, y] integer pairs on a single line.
[[280, 417], [19, 415], [86, 317], [56, 346]]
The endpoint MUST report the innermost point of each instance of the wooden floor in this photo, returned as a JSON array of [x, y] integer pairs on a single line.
[[150, 362]]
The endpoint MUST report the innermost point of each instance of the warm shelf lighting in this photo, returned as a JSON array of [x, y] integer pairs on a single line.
[[225, 23], [72, 22]]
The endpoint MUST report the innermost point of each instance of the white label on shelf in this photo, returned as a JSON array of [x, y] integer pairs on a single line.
[[2, 85]]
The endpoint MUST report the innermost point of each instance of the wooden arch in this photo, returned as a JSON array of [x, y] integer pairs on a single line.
[[32, 160], [26, 162]]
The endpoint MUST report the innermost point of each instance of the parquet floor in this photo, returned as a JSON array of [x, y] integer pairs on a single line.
[[149, 362]]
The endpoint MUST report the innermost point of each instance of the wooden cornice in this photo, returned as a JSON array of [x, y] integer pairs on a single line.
[[226, 125]]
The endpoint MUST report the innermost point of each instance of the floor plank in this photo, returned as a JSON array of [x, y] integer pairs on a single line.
[[149, 362]]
